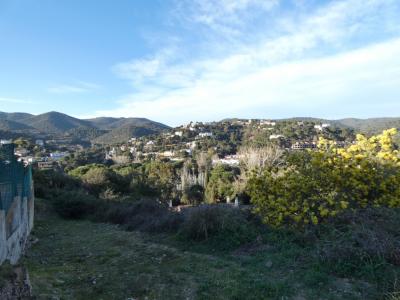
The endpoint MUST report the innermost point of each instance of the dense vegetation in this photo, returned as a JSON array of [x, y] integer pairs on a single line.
[[338, 205], [331, 213], [317, 185]]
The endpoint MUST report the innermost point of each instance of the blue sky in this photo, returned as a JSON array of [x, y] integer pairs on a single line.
[[180, 60]]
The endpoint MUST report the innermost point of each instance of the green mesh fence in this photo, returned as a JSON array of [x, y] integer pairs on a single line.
[[15, 178]]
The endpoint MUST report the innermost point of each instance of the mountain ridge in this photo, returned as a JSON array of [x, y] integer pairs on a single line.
[[59, 124], [105, 130]]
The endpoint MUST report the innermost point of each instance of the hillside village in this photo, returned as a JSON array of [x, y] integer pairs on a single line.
[[221, 138]]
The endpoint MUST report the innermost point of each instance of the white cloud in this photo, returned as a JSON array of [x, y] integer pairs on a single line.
[[316, 59], [78, 87], [226, 17]]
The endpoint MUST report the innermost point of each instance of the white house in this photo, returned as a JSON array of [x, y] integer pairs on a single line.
[[232, 160], [178, 133], [266, 122], [205, 134], [276, 136], [322, 126], [167, 154], [58, 155], [39, 143], [21, 152]]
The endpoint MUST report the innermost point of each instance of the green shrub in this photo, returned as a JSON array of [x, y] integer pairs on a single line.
[[222, 222], [219, 185], [74, 204], [363, 244], [145, 215], [45, 181], [355, 237], [193, 194], [316, 186]]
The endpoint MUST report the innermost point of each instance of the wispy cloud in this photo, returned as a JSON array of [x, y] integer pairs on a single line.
[[226, 17], [342, 51], [15, 100], [78, 87]]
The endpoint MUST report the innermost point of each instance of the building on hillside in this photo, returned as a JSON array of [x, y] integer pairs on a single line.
[[168, 154], [149, 146], [39, 142], [232, 160], [276, 136], [21, 152], [150, 143], [267, 122], [178, 133], [303, 145], [45, 165], [321, 126], [205, 134], [16, 205], [58, 155]]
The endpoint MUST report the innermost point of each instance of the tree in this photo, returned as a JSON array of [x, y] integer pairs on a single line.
[[220, 184], [161, 176], [193, 194], [313, 186], [258, 159]]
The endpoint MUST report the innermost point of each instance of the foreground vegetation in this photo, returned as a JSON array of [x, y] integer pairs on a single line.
[[80, 259], [321, 224]]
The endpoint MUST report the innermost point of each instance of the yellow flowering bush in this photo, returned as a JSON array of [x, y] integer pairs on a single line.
[[316, 185]]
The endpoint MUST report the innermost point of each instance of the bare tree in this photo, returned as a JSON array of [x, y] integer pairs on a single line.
[[257, 159], [204, 164]]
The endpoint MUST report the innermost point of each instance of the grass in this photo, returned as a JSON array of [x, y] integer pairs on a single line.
[[77, 259]]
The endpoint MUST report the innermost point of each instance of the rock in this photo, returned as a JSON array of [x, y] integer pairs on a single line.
[[268, 264]]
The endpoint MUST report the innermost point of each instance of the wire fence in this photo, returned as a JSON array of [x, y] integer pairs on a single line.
[[15, 178]]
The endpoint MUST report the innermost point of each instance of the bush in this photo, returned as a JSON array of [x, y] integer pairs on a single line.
[[354, 238], [47, 180], [74, 204], [219, 185], [219, 221], [363, 244], [315, 186], [145, 215], [193, 194]]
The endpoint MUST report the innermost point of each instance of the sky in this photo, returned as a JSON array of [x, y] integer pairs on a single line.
[[174, 61]]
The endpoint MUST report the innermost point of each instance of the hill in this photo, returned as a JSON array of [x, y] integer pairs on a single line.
[[17, 116], [54, 122], [369, 126], [112, 123], [8, 125], [104, 130], [124, 133]]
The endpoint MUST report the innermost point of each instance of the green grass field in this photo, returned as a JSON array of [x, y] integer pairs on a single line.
[[86, 260]]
